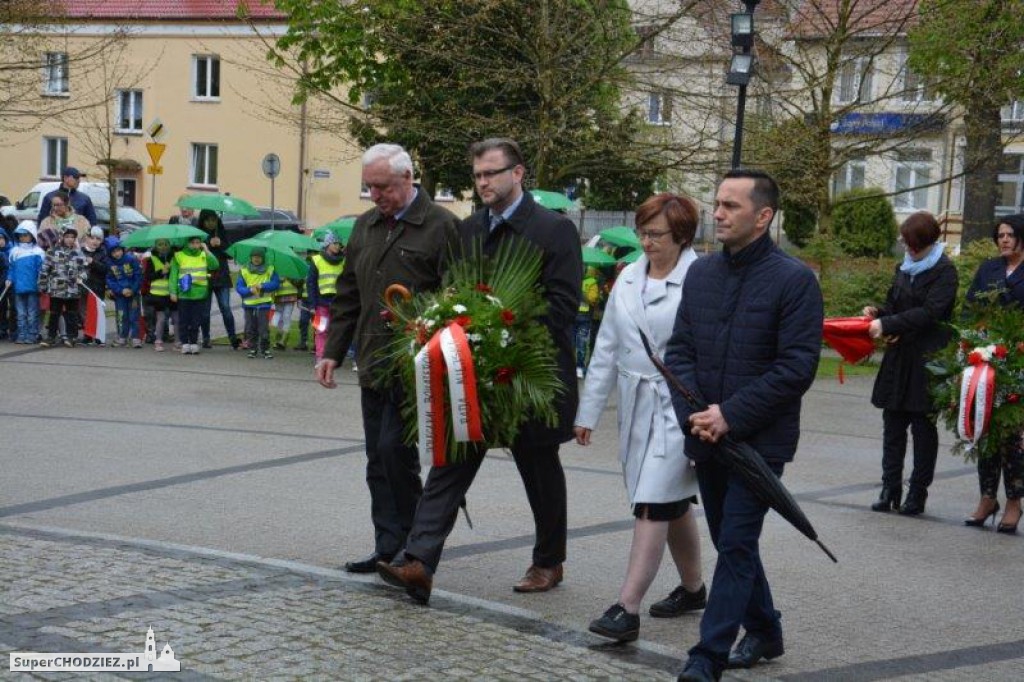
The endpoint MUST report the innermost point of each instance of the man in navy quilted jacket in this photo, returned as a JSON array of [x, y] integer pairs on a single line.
[[747, 339]]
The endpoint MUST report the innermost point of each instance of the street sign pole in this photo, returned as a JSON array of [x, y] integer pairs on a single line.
[[156, 130], [271, 167]]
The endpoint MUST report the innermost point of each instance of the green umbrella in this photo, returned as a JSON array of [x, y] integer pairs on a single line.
[[286, 239], [284, 260], [556, 201], [218, 202], [620, 236], [632, 256], [592, 256], [146, 237], [341, 228]]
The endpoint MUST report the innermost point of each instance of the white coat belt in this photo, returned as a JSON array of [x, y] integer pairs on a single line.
[[630, 385]]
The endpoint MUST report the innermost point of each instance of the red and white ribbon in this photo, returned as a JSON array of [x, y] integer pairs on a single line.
[[977, 389], [446, 350]]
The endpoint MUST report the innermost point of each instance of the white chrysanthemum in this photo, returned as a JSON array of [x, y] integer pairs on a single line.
[[458, 308]]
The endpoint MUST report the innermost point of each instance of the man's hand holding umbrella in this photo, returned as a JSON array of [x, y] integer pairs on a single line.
[[709, 425]]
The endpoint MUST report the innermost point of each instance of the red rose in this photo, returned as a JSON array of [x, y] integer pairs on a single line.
[[507, 317], [387, 315], [480, 286], [463, 321], [964, 346], [421, 335], [1020, 346], [504, 375], [975, 358], [1000, 352], [1013, 398]]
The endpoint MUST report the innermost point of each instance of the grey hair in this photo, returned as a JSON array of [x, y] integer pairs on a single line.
[[398, 159]]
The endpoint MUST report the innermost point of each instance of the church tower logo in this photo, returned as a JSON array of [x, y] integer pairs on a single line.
[[165, 662]]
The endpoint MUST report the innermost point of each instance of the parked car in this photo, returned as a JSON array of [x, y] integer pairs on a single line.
[[237, 227], [28, 206], [128, 219]]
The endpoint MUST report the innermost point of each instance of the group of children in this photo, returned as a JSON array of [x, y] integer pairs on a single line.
[[152, 291]]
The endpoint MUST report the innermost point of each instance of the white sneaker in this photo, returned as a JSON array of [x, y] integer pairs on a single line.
[[354, 367], [579, 372], [195, 349], [186, 349]]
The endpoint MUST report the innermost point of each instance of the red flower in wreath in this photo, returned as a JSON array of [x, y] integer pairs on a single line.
[[463, 321], [964, 346], [975, 358], [1000, 352], [507, 317], [480, 286], [504, 375], [1013, 398], [1020, 346]]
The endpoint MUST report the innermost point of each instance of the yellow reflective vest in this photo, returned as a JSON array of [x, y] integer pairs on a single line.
[[160, 285], [195, 266], [252, 279], [328, 274]]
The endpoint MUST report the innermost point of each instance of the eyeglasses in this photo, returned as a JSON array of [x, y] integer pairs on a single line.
[[651, 234], [488, 174]]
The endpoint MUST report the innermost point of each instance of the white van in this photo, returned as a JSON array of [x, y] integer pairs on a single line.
[[28, 207]]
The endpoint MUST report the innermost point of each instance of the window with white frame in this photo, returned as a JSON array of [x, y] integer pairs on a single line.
[[204, 164], [1011, 184], [916, 88], [1013, 112], [853, 83], [913, 172], [55, 156], [205, 77], [659, 108], [850, 176], [129, 111], [55, 73]]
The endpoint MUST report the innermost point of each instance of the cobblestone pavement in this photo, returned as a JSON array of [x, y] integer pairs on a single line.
[[237, 618]]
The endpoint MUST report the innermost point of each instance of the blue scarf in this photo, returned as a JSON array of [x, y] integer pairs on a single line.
[[916, 267]]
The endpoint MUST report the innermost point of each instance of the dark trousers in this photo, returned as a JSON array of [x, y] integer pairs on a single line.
[[894, 447], [392, 472], [190, 316], [257, 328], [446, 487], [223, 296], [740, 594], [1010, 463], [68, 308]]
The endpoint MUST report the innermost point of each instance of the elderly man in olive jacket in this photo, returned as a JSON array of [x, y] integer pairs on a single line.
[[405, 240]]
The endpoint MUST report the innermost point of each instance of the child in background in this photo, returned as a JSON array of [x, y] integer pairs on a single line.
[[190, 287], [124, 281], [255, 284], [63, 270], [322, 284], [285, 301], [157, 282], [96, 274], [25, 262], [5, 296]]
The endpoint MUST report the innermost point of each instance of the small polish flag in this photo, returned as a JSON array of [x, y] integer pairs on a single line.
[[320, 322], [274, 315], [95, 318]]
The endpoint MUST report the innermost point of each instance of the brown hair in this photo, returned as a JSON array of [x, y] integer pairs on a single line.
[[510, 148], [920, 230], [680, 212]]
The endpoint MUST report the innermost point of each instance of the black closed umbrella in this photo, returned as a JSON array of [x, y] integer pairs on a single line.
[[747, 463]]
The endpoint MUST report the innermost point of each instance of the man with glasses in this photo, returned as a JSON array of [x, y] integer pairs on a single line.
[[405, 239], [747, 338], [510, 213]]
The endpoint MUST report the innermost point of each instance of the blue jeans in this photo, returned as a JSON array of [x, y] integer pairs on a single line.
[[127, 316], [740, 594], [223, 296], [27, 306]]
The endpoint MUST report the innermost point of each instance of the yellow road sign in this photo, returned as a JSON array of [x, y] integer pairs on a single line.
[[155, 170], [156, 150]]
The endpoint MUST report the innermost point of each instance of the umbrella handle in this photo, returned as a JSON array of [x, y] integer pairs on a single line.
[[691, 398], [396, 290]]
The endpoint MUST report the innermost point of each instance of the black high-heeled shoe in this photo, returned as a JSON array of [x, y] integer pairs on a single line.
[[1007, 528], [978, 523]]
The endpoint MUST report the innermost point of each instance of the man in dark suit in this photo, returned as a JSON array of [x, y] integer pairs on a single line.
[[510, 213], [405, 239]]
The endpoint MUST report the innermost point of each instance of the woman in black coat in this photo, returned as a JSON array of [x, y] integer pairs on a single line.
[[1002, 274], [920, 300]]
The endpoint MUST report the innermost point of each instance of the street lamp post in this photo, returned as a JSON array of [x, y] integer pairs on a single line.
[[740, 69]]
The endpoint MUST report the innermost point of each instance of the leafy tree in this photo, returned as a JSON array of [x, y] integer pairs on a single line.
[[436, 75], [975, 50], [864, 223]]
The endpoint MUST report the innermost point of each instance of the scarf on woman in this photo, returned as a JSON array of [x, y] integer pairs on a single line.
[[916, 267]]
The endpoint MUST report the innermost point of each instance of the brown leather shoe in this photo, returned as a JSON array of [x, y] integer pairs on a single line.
[[538, 579], [412, 575]]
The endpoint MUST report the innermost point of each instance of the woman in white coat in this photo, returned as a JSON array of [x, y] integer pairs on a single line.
[[659, 479]]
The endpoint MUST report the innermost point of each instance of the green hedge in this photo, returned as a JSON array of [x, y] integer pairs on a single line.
[[864, 223]]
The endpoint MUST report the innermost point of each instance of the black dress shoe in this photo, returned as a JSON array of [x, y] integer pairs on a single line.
[[889, 499], [368, 564], [679, 602], [914, 506], [698, 670], [752, 648], [617, 624]]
